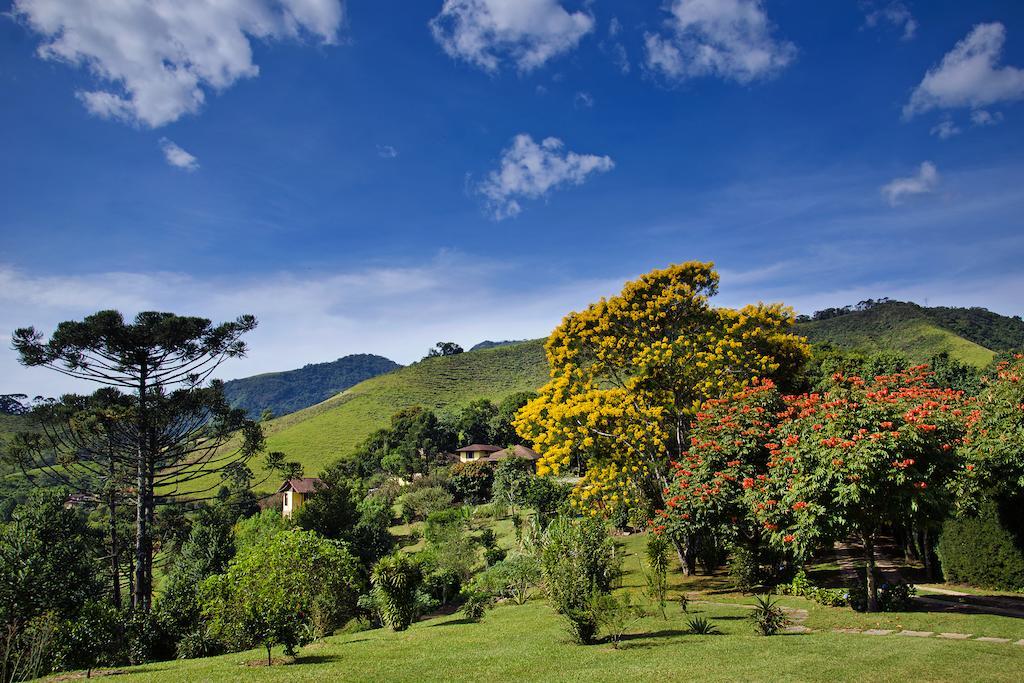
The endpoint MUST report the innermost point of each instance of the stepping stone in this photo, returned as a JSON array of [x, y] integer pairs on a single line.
[[955, 636], [1020, 642], [877, 632], [992, 640], [796, 629], [846, 630], [917, 634]]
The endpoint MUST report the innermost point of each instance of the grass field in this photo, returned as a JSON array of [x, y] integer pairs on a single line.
[[530, 643]]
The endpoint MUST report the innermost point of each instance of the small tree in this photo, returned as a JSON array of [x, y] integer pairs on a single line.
[[578, 560], [278, 593], [616, 614], [444, 349], [510, 479], [657, 579], [396, 580]]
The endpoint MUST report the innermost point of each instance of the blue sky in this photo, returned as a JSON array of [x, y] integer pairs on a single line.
[[372, 176]]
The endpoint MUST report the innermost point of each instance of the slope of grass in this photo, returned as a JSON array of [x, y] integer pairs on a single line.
[[906, 328], [320, 434]]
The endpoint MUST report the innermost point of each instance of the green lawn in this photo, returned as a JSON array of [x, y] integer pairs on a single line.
[[530, 643]]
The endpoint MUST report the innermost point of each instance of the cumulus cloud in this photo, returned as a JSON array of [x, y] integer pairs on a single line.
[[178, 157], [895, 14], [529, 171], [924, 182], [160, 57], [525, 32], [969, 75], [731, 39], [945, 129]]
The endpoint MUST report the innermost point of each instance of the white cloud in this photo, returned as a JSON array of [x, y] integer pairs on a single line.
[[178, 157], [398, 312], [527, 32], [615, 46], [731, 39], [924, 182], [160, 57], [945, 129], [969, 75], [980, 117], [529, 170], [583, 99], [386, 152], [895, 13]]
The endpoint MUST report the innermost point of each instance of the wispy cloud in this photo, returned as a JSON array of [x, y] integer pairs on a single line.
[[386, 152], [529, 170], [583, 99], [969, 75], [731, 39], [895, 14], [527, 33], [159, 57], [923, 182], [178, 157], [945, 129]]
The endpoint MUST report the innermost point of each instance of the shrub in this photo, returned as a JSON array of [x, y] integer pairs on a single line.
[[615, 615], [418, 504], [578, 559], [895, 597], [493, 556], [513, 578], [475, 603], [767, 617], [980, 550], [744, 569], [699, 626], [657, 579], [471, 481], [396, 580]]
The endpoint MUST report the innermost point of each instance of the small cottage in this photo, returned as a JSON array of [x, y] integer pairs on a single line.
[[476, 452], [296, 492]]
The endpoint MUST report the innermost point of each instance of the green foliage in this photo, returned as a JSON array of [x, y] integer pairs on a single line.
[[48, 559], [259, 529], [767, 617], [700, 626], [657, 579], [294, 586], [616, 614], [419, 503], [396, 580], [475, 603], [285, 392], [578, 559], [547, 497], [511, 477], [513, 578], [980, 550], [471, 482], [744, 569]]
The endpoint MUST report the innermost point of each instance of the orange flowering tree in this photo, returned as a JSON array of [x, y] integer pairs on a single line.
[[629, 373], [710, 494], [994, 445], [859, 456]]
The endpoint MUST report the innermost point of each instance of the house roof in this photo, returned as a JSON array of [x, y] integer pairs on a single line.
[[303, 485], [518, 451], [478, 448]]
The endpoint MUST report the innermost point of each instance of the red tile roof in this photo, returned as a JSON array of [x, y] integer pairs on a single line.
[[518, 451], [478, 448]]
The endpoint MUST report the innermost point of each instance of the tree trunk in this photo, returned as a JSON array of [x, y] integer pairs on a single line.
[[929, 564], [270, 661], [869, 570], [115, 552], [681, 554]]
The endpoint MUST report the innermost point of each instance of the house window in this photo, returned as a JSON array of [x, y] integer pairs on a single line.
[[286, 498]]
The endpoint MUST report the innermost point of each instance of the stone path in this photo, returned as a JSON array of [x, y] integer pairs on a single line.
[[798, 616]]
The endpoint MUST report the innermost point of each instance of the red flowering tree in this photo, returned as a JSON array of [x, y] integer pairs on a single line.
[[859, 456], [994, 445], [709, 493]]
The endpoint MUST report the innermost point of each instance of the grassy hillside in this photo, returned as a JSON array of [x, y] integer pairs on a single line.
[[320, 434], [286, 392], [971, 335]]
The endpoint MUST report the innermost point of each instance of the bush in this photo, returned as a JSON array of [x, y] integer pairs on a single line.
[[744, 569], [418, 504], [493, 556], [891, 597], [767, 617], [699, 626], [578, 559], [396, 580], [471, 482], [475, 603], [615, 615], [512, 579], [981, 551]]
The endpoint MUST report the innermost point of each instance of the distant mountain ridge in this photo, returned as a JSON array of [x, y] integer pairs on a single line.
[[291, 390]]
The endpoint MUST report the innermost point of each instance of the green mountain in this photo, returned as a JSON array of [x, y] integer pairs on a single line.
[[286, 392], [320, 434], [972, 335]]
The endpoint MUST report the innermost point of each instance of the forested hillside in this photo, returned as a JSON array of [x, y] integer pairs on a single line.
[[972, 335], [285, 392]]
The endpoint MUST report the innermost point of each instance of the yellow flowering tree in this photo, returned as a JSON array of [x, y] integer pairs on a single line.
[[629, 373]]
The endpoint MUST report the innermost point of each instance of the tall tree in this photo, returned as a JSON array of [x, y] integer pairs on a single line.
[[176, 430], [629, 373]]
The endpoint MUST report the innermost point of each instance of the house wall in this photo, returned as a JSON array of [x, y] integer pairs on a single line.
[[291, 501]]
